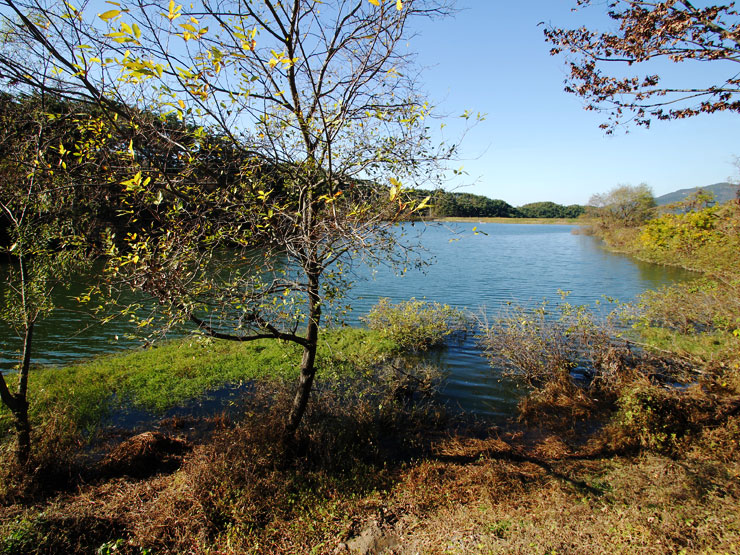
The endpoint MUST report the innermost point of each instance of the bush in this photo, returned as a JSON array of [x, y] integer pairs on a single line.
[[682, 232], [540, 346], [657, 418], [575, 365], [417, 325], [698, 306]]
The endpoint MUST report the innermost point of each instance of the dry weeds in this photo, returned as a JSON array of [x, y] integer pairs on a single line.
[[392, 469]]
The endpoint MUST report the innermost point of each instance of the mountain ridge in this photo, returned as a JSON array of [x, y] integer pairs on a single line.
[[722, 191]]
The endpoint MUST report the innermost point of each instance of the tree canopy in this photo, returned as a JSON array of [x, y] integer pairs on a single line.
[[549, 209], [456, 204], [624, 205], [673, 30]]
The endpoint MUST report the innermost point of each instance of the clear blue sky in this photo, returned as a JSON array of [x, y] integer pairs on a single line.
[[537, 142]]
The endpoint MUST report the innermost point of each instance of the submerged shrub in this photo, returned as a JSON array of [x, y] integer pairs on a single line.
[[568, 343], [417, 325], [575, 364]]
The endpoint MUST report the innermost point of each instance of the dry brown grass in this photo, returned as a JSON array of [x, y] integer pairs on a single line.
[[650, 504], [501, 494], [400, 469]]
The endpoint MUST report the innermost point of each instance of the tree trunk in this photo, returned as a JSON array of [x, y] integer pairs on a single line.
[[22, 425], [308, 367], [18, 402], [23, 433], [18, 405]]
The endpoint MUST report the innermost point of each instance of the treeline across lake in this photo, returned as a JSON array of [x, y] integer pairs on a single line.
[[445, 204]]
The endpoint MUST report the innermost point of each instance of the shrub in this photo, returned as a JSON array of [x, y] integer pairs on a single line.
[[417, 325], [698, 306], [683, 232], [575, 365], [540, 346], [658, 418]]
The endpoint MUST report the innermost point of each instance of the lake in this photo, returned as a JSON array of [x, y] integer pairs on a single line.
[[518, 263]]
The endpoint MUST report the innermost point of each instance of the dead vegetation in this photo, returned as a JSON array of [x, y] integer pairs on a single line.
[[368, 477], [619, 460]]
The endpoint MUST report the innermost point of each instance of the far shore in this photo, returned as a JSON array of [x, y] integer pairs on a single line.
[[559, 221]]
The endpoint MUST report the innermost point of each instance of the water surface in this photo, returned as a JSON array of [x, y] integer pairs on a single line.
[[517, 263], [522, 264]]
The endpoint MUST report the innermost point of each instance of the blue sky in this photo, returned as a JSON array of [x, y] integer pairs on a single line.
[[537, 142]]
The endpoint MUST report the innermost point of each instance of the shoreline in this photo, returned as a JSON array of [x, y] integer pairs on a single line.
[[499, 220]]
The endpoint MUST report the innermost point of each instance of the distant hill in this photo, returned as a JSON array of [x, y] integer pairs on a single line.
[[722, 193], [445, 204]]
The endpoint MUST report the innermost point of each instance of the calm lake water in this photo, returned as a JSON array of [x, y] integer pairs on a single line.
[[520, 263]]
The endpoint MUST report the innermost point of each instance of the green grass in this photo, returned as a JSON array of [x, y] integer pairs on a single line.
[[165, 376], [706, 346]]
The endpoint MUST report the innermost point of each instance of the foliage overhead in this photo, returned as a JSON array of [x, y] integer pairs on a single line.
[[673, 30]]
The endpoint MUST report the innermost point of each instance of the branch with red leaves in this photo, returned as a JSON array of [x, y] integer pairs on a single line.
[[674, 30]]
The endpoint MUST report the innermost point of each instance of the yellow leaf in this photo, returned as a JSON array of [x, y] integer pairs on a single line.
[[374, 2], [181, 104], [137, 31], [131, 148], [174, 11], [110, 14], [399, 5]]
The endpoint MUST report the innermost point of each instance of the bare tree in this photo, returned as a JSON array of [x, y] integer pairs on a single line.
[[312, 106]]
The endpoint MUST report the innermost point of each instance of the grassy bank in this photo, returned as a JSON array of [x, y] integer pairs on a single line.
[[159, 378], [700, 319]]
